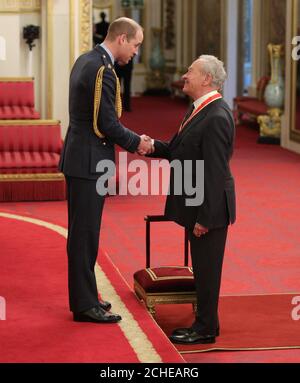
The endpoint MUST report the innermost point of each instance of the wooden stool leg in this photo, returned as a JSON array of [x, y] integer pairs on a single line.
[[151, 309]]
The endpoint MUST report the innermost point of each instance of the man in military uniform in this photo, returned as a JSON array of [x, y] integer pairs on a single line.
[[94, 127]]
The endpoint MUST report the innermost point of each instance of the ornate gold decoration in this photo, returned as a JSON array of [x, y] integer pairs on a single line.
[[97, 99], [16, 79], [85, 25], [154, 277], [29, 122], [152, 299], [39, 177], [20, 6], [275, 52], [118, 100], [270, 125]]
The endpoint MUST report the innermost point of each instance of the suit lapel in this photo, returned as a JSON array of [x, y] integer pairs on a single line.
[[194, 121], [179, 137]]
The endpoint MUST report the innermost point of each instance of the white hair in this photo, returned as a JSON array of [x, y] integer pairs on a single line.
[[215, 67]]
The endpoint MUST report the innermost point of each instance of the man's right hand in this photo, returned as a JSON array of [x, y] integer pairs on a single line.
[[145, 146]]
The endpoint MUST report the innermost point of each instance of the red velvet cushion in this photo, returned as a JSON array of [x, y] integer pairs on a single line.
[[28, 160], [18, 113], [243, 98], [30, 138], [166, 279], [16, 93], [253, 106]]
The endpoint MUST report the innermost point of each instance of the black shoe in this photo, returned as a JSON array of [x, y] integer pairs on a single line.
[[96, 315], [186, 330], [105, 305], [192, 337]]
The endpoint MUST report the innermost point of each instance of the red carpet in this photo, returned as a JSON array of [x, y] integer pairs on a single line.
[[248, 323], [263, 252], [38, 326]]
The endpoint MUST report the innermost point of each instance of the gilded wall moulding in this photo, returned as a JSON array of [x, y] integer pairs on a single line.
[[20, 6], [102, 3], [85, 25]]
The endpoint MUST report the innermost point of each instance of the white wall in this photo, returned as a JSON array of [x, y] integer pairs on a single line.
[[61, 62], [16, 62], [10, 31]]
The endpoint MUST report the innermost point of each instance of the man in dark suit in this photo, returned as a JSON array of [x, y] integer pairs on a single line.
[[207, 134], [100, 29], [124, 72], [94, 108]]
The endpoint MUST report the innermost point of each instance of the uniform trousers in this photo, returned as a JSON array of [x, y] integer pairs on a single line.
[[85, 208]]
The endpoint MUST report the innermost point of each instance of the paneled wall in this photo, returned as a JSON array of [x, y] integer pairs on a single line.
[[14, 15]]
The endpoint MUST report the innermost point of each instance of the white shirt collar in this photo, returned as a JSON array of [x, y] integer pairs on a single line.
[[108, 52], [199, 101]]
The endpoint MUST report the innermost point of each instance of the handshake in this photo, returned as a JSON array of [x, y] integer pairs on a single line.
[[146, 145]]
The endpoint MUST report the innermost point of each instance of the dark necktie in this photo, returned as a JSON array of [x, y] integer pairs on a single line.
[[188, 114]]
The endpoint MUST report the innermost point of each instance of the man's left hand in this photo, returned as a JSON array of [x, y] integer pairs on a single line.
[[199, 230]]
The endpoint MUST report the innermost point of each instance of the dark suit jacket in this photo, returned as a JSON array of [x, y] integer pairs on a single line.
[[124, 70], [83, 149], [101, 29], [209, 136]]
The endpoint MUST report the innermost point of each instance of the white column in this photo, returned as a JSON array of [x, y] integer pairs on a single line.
[[74, 30], [194, 28], [178, 31], [61, 62], [255, 48], [10, 31], [230, 87], [185, 43]]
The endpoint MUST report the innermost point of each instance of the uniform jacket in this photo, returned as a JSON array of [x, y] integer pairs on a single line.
[[83, 149], [209, 136]]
